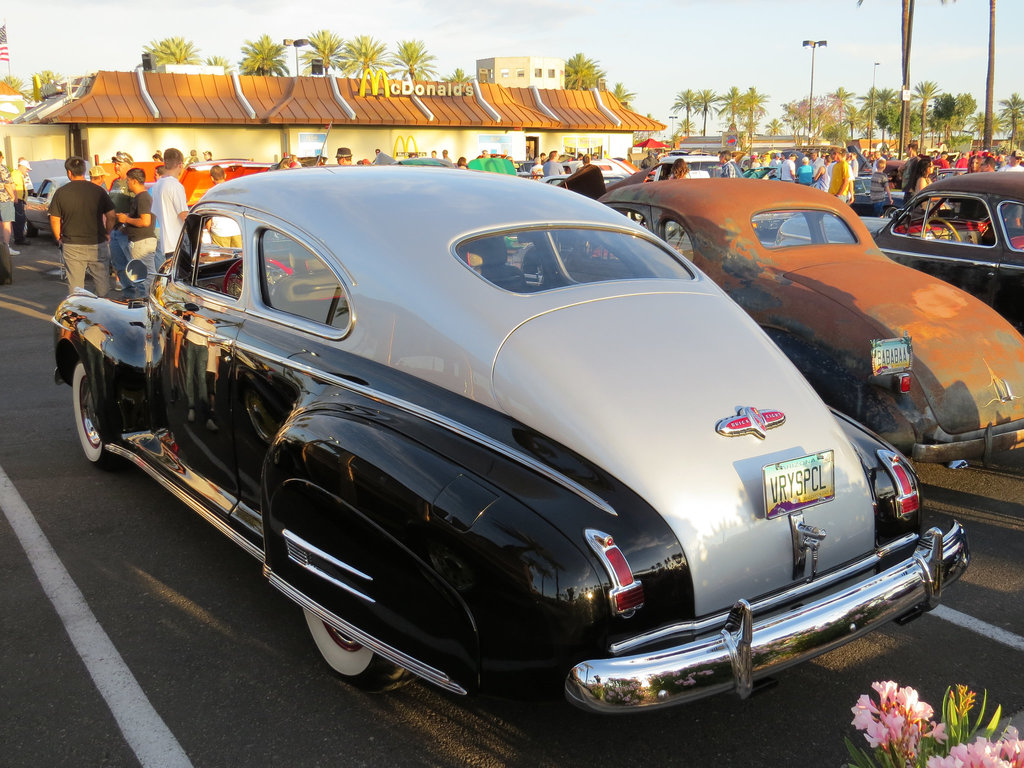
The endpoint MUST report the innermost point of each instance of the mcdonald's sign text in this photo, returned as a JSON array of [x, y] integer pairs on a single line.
[[380, 84]]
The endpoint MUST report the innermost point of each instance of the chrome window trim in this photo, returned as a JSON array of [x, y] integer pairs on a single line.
[[640, 232], [1005, 234], [799, 592], [286, 318], [984, 202], [440, 421]]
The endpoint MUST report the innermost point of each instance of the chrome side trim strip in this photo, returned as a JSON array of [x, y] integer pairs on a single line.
[[206, 514], [440, 421], [795, 594], [937, 257], [747, 649], [299, 551], [427, 672]]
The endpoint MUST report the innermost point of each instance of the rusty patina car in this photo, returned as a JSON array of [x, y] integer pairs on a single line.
[[926, 365]]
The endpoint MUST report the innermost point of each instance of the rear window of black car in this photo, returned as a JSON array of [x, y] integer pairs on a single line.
[[529, 261], [783, 229]]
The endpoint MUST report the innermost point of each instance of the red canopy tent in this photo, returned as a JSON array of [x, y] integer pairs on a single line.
[[651, 144]]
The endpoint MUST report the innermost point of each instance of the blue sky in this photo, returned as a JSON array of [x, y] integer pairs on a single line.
[[656, 49]]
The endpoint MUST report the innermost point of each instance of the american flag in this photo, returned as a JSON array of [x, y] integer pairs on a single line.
[[4, 55]]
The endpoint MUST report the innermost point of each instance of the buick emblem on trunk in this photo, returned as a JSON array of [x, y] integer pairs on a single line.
[[750, 421]]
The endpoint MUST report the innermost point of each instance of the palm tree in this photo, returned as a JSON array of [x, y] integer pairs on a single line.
[[730, 101], [412, 60], [706, 100], [173, 50], [19, 85], [924, 92], [624, 97], [582, 73], [326, 46], [774, 128], [361, 54], [843, 101], [990, 76], [219, 61], [752, 108], [686, 101], [977, 124], [1013, 112], [49, 76], [458, 76], [263, 57]]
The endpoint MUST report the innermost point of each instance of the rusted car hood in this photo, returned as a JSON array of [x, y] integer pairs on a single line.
[[963, 350], [647, 413]]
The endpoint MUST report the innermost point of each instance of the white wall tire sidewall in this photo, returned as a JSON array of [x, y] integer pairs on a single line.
[[92, 445], [344, 662]]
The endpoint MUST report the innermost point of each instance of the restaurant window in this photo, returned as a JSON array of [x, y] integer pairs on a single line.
[[551, 73], [538, 72], [504, 74], [520, 73]]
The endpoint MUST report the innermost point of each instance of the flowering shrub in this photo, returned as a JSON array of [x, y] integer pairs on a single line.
[[901, 733]]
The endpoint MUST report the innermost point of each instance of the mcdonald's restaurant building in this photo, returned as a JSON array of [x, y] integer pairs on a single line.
[[263, 118]]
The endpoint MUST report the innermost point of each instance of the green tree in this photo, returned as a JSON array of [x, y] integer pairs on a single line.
[[19, 85], [774, 128], [624, 97], [730, 104], [458, 76], [977, 124], [412, 60], [706, 100], [49, 76], [686, 101], [173, 50], [752, 108], [990, 75], [263, 57], [924, 92], [361, 54], [582, 73], [219, 61], [326, 46], [1012, 112], [843, 101]]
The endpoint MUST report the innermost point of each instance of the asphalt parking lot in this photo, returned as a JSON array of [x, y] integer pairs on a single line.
[[134, 634]]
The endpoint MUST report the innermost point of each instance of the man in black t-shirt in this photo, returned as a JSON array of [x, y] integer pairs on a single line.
[[140, 229], [81, 217]]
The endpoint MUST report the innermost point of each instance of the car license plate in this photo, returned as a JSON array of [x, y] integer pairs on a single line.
[[891, 355], [796, 484]]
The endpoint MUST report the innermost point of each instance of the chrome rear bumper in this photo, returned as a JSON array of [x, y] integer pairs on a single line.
[[745, 650]]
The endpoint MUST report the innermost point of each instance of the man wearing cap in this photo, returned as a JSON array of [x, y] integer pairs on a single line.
[[22, 186], [1013, 164], [343, 156], [121, 196], [81, 217]]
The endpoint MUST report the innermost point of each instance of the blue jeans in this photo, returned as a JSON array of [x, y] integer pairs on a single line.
[[120, 255]]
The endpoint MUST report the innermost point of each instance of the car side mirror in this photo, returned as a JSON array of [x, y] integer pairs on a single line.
[[136, 270]]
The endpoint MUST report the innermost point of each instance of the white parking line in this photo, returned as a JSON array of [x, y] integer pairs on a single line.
[[982, 628], [148, 736]]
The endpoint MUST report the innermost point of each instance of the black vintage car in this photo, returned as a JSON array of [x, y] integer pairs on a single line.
[[452, 417], [969, 231]]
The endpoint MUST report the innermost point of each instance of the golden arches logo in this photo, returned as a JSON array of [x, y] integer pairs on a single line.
[[405, 145], [376, 77]]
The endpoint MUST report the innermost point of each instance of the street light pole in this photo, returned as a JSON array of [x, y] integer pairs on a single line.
[[813, 45], [297, 44], [871, 108], [672, 130]]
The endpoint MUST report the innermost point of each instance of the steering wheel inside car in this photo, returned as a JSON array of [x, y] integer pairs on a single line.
[[233, 277], [946, 230]]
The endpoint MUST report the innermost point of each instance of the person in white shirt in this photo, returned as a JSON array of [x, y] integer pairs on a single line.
[[787, 170], [169, 202], [1013, 163]]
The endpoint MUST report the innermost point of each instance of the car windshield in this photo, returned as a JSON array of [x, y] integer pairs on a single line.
[[782, 229], [528, 261]]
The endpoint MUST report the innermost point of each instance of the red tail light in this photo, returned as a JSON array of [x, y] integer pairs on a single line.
[[901, 383], [908, 500], [627, 593]]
